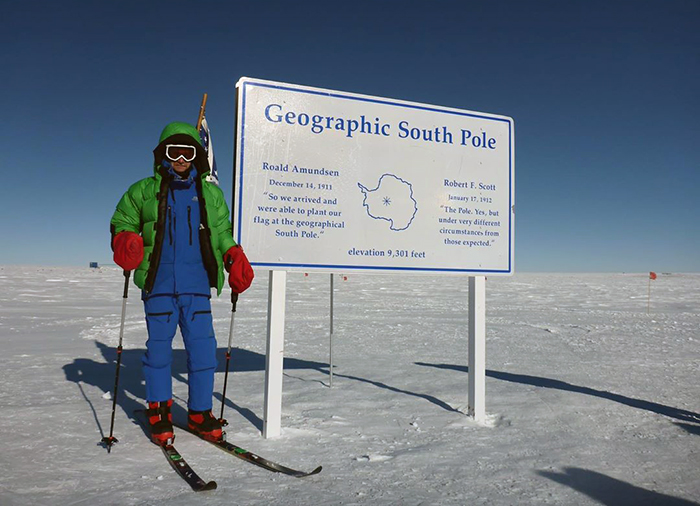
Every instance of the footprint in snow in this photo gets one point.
(373, 458)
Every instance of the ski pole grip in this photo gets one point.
(127, 274)
(234, 301)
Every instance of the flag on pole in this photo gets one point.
(652, 276)
(204, 134)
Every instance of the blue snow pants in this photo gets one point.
(192, 313)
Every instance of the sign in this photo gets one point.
(329, 180)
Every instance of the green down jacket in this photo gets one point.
(142, 210)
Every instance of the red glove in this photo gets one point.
(128, 250)
(240, 273)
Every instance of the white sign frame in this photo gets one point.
(278, 269)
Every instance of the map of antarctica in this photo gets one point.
(392, 200)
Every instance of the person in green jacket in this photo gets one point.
(173, 228)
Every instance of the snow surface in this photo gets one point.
(590, 399)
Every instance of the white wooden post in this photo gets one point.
(272, 423)
(477, 348)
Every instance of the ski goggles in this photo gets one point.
(176, 151)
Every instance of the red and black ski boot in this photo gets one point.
(161, 422)
(205, 424)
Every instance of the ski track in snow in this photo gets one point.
(590, 399)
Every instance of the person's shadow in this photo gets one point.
(610, 491)
(132, 391)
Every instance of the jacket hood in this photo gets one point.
(180, 133)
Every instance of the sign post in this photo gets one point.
(477, 348)
(330, 341)
(334, 181)
(274, 362)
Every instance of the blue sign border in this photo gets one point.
(395, 104)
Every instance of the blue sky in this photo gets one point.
(604, 95)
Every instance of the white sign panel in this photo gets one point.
(331, 181)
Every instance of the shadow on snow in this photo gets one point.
(610, 491)
(132, 390)
(678, 414)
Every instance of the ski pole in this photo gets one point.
(234, 300)
(110, 440)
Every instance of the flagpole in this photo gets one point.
(649, 296)
(201, 111)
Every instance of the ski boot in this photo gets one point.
(205, 425)
(161, 422)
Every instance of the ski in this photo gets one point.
(257, 460)
(178, 462)
(182, 468)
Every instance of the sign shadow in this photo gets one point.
(524, 379)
